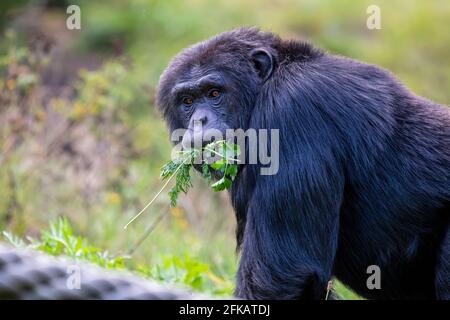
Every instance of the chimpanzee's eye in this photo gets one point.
(214, 93)
(187, 101)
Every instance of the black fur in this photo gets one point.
(364, 174)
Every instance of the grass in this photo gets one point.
(181, 270)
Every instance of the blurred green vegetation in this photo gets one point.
(184, 270)
(80, 137)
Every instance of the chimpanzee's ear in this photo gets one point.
(264, 62)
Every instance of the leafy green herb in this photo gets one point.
(224, 164)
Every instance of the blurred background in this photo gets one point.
(81, 143)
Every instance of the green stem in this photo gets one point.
(157, 195)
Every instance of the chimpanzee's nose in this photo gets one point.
(198, 122)
(202, 118)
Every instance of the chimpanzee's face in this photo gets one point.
(208, 89)
(206, 101)
(202, 100)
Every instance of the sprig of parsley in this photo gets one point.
(224, 162)
(219, 157)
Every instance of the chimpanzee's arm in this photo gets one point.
(291, 233)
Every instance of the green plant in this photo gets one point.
(219, 156)
(59, 239)
(226, 166)
(188, 271)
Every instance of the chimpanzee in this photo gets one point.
(364, 167)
